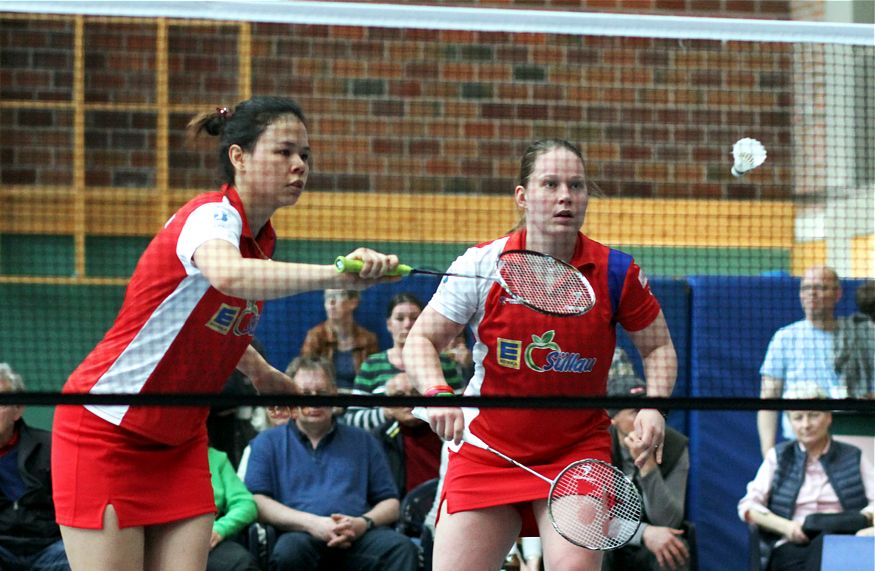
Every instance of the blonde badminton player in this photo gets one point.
(132, 483)
(523, 351)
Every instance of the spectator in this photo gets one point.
(326, 487)
(235, 509)
(460, 352)
(403, 310)
(340, 339)
(800, 357)
(808, 475)
(412, 447)
(29, 536)
(855, 345)
(658, 543)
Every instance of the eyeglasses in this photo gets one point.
(816, 288)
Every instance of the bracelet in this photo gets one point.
(440, 391)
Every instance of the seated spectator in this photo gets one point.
(658, 543)
(340, 339)
(29, 536)
(812, 474)
(459, 352)
(403, 310)
(235, 509)
(412, 447)
(855, 345)
(326, 487)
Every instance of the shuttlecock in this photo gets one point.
(748, 155)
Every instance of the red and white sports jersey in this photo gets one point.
(175, 333)
(521, 352)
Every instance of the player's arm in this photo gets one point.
(431, 333)
(660, 371)
(232, 274)
(658, 357)
(767, 420)
(265, 378)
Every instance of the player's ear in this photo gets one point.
(519, 196)
(237, 156)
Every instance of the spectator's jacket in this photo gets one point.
(28, 525)
(673, 446)
(841, 464)
(321, 342)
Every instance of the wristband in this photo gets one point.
(440, 391)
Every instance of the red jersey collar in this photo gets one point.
(583, 250)
(267, 234)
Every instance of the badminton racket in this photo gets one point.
(538, 281)
(591, 503)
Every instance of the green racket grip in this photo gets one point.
(350, 265)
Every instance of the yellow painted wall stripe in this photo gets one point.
(863, 256)
(421, 217)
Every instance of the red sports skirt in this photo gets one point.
(477, 479)
(96, 463)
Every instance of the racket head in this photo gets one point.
(544, 283)
(594, 505)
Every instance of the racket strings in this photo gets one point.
(593, 505)
(545, 283)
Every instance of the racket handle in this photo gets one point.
(349, 265)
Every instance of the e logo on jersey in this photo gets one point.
(229, 318)
(543, 354)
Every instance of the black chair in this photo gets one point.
(759, 550)
(260, 539)
(414, 507)
(689, 529)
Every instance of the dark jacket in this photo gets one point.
(28, 525)
(842, 466)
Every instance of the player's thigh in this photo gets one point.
(180, 545)
(475, 540)
(559, 553)
(107, 548)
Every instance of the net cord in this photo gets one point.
(466, 18)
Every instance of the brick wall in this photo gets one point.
(408, 110)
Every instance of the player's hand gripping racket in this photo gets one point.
(592, 504)
(538, 281)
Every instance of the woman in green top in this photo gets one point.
(378, 368)
(235, 510)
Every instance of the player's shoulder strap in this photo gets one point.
(618, 267)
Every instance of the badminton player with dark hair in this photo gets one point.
(132, 483)
(523, 352)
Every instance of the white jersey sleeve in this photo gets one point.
(211, 221)
(462, 300)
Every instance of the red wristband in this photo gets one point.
(440, 391)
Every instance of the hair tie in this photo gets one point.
(224, 113)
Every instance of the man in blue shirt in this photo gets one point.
(800, 358)
(326, 487)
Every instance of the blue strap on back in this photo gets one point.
(618, 266)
